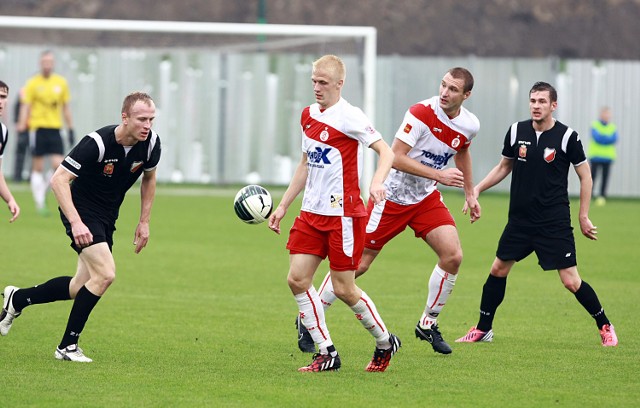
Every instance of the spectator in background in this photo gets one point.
(602, 151)
(4, 135)
(22, 142)
(45, 102)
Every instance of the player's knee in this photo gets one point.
(452, 261)
(347, 294)
(297, 284)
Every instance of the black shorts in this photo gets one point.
(554, 245)
(101, 231)
(46, 141)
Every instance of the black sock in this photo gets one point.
(82, 307)
(50, 291)
(589, 300)
(492, 295)
(332, 351)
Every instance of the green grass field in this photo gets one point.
(203, 317)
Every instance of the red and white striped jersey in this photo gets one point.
(434, 139)
(333, 140)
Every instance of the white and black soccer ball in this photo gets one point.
(253, 204)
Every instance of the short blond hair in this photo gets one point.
(134, 97)
(333, 64)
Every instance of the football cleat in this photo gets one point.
(72, 353)
(322, 362)
(305, 342)
(8, 312)
(474, 336)
(434, 337)
(382, 357)
(608, 336)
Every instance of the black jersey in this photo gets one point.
(539, 180)
(105, 170)
(4, 136)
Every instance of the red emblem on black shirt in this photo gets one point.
(108, 169)
(549, 154)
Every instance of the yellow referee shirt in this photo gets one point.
(46, 96)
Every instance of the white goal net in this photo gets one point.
(228, 96)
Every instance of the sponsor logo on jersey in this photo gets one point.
(135, 166)
(320, 155)
(336, 200)
(407, 128)
(549, 154)
(73, 163)
(436, 130)
(440, 160)
(108, 169)
(324, 135)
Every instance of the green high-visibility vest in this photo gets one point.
(599, 150)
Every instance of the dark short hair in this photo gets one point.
(465, 75)
(4, 85)
(544, 86)
(134, 97)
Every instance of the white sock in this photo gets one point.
(366, 312)
(327, 297)
(312, 316)
(38, 188)
(440, 287)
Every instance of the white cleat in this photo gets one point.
(8, 312)
(72, 353)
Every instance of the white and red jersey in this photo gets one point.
(333, 140)
(434, 139)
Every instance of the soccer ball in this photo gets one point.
(253, 204)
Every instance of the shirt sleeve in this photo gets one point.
(81, 156)
(358, 126)
(575, 150)
(507, 148)
(154, 157)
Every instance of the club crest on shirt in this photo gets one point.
(324, 135)
(108, 169)
(522, 151)
(455, 142)
(136, 165)
(336, 200)
(549, 154)
(407, 128)
(370, 130)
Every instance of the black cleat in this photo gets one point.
(305, 342)
(434, 337)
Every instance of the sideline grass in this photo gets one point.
(203, 317)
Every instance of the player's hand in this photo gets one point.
(15, 210)
(472, 206)
(82, 237)
(377, 192)
(274, 219)
(71, 137)
(141, 237)
(452, 177)
(588, 229)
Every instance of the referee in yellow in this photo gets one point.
(44, 104)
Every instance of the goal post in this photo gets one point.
(367, 35)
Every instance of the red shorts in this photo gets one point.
(388, 219)
(339, 238)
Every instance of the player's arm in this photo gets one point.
(61, 186)
(463, 163)
(295, 187)
(586, 184)
(147, 195)
(401, 161)
(495, 176)
(6, 195)
(376, 189)
(23, 117)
